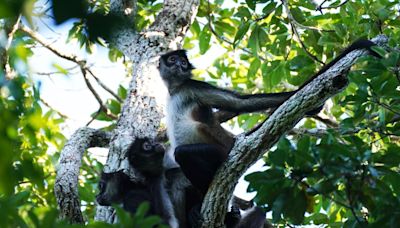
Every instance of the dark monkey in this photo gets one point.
(198, 142)
(117, 188)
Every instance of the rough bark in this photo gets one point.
(248, 149)
(66, 184)
(143, 109)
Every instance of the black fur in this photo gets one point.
(199, 144)
(146, 156)
(117, 188)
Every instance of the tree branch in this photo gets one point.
(320, 7)
(80, 62)
(66, 183)
(248, 149)
(49, 106)
(48, 45)
(104, 85)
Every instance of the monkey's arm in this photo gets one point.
(223, 116)
(233, 102)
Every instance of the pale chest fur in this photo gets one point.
(181, 127)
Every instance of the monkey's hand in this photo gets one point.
(232, 217)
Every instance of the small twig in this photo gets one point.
(375, 100)
(46, 44)
(57, 72)
(80, 62)
(320, 7)
(261, 18)
(94, 116)
(30, 181)
(223, 39)
(296, 33)
(49, 106)
(12, 32)
(396, 72)
(327, 122)
(298, 24)
(90, 87)
(96, 95)
(361, 222)
(386, 107)
(305, 184)
(104, 86)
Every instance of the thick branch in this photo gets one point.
(66, 184)
(248, 149)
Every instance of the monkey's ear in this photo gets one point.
(190, 66)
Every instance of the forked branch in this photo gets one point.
(66, 184)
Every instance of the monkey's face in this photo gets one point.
(175, 66)
(147, 156)
(150, 146)
(110, 189)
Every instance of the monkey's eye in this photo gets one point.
(101, 186)
(171, 59)
(184, 62)
(146, 146)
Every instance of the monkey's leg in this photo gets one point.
(135, 197)
(199, 162)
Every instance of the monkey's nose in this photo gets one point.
(159, 148)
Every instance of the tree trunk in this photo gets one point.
(144, 107)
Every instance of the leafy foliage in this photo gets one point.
(336, 172)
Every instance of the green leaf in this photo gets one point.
(319, 218)
(204, 39)
(269, 8)
(251, 4)
(243, 12)
(295, 207)
(254, 66)
(195, 28)
(253, 41)
(114, 106)
(379, 50)
(60, 69)
(122, 92)
(67, 9)
(243, 28)
(300, 62)
(323, 187)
